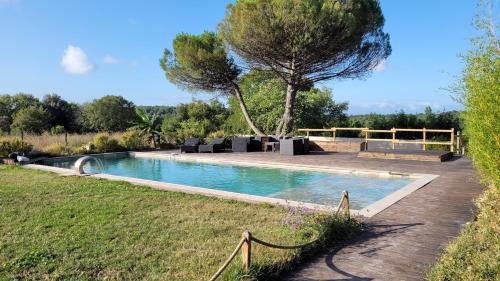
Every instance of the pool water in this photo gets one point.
(304, 186)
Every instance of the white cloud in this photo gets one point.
(75, 61)
(379, 66)
(110, 60)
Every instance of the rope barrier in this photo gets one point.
(248, 238)
(228, 261)
(284, 247)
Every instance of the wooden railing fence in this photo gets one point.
(394, 141)
(245, 244)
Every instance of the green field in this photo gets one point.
(77, 228)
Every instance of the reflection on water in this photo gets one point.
(305, 186)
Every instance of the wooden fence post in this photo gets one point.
(424, 137)
(246, 250)
(393, 138)
(366, 140)
(458, 142)
(345, 205)
(452, 144)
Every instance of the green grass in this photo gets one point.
(475, 254)
(77, 228)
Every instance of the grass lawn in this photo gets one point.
(77, 228)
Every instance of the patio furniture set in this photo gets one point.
(283, 145)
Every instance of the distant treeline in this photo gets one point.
(24, 112)
(428, 119)
(316, 109)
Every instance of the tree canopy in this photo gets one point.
(306, 41)
(201, 62)
(32, 119)
(266, 95)
(195, 119)
(10, 105)
(63, 113)
(109, 114)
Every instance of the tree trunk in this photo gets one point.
(279, 127)
(291, 93)
(243, 107)
(154, 140)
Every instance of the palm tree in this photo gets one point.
(148, 124)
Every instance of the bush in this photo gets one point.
(482, 100)
(57, 130)
(81, 150)
(474, 255)
(216, 135)
(9, 146)
(103, 143)
(57, 149)
(133, 140)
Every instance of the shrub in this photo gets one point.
(132, 140)
(15, 145)
(57, 130)
(474, 255)
(216, 135)
(57, 149)
(219, 134)
(85, 149)
(482, 100)
(104, 143)
(81, 150)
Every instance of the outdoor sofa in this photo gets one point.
(215, 145)
(190, 145)
(294, 146)
(246, 144)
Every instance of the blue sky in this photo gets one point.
(83, 50)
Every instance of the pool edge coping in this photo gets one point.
(371, 210)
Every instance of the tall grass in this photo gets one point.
(40, 142)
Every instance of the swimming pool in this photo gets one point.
(309, 186)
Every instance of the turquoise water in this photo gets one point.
(304, 186)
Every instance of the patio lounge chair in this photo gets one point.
(214, 146)
(190, 145)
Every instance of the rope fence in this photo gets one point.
(245, 244)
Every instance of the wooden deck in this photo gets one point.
(418, 155)
(401, 242)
